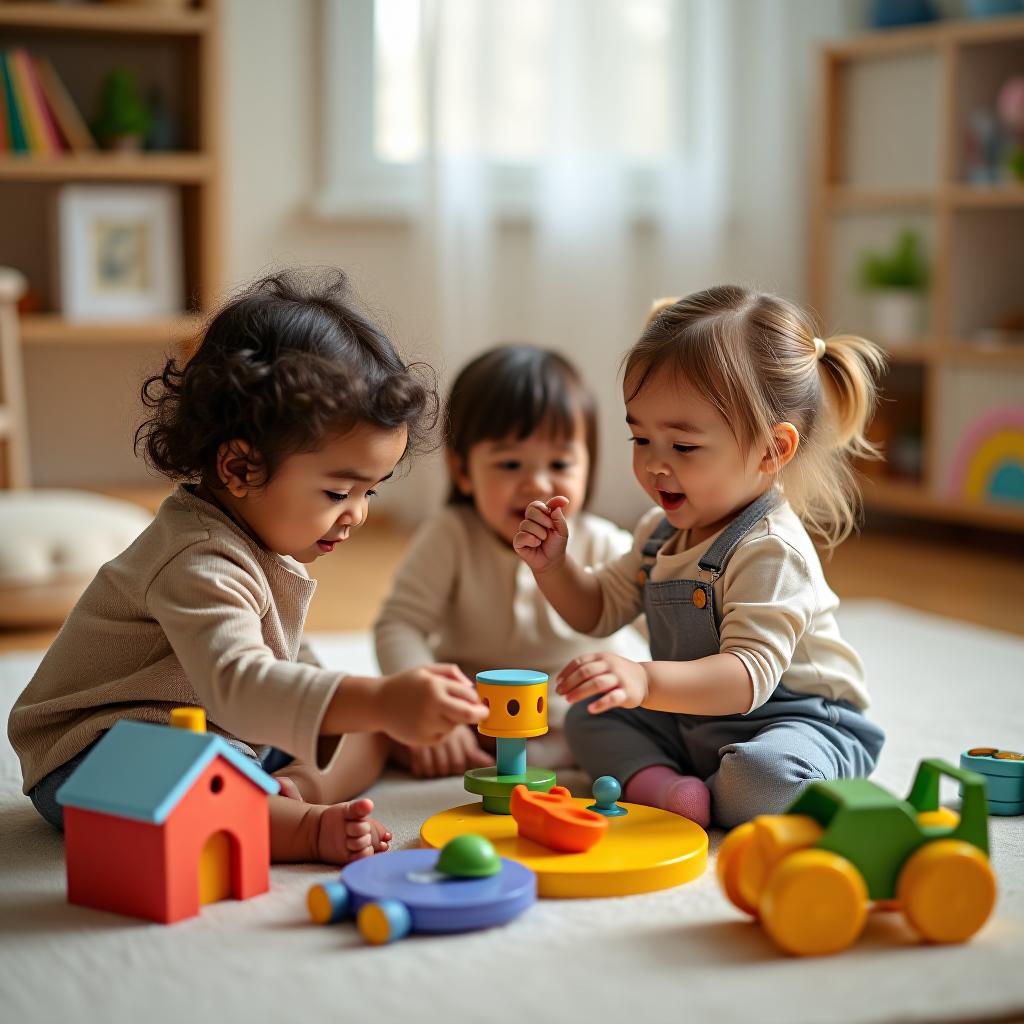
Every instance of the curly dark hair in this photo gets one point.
(283, 365)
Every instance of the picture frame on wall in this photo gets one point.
(120, 252)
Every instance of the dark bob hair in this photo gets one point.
(514, 391)
(286, 364)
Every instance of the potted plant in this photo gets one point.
(124, 119)
(896, 283)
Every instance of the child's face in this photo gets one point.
(315, 498)
(504, 476)
(686, 458)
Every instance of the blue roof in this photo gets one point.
(511, 677)
(141, 771)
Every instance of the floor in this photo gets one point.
(971, 575)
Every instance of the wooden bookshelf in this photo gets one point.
(865, 186)
(175, 51)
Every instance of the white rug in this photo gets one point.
(683, 955)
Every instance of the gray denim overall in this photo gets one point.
(754, 763)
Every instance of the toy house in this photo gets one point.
(158, 821)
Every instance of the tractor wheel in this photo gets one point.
(947, 889)
(815, 903)
(727, 867)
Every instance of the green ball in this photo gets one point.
(469, 856)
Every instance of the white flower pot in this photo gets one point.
(897, 315)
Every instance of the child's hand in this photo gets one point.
(423, 705)
(622, 682)
(542, 536)
(456, 753)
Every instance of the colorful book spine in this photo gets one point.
(69, 120)
(49, 123)
(5, 136)
(19, 143)
(29, 104)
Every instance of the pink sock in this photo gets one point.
(661, 786)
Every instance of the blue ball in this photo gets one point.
(606, 790)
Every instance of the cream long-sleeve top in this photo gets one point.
(462, 595)
(776, 611)
(196, 613)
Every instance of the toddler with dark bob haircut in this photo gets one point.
(292, 410)
(520, 426)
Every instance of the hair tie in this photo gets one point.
(819, 348)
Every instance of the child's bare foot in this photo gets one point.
(332, 833)
(347, 832)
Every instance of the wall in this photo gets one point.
(270, 81)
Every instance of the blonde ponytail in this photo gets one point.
(851, 369)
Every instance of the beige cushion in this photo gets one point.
(52, 542)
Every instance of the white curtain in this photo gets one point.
(589, 242)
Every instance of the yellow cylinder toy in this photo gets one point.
(517, 702)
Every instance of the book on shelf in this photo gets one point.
(15, 131)
(66, 113)
(41, 117)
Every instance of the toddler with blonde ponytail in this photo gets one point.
(744, 423)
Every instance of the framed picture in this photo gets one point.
(120, 252)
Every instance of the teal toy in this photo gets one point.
(1004, 777)
(607, 790)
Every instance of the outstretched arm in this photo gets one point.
(716, 685)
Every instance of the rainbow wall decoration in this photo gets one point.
(989, 461)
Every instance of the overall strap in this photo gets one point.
(716, 556)
(652, 546)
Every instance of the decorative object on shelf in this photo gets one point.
(983, 144)
(120, 252)
(896, 283)
(896, 13)
(124, 118)
(989, 462)
(993, 8)
(1010, 104)
(163, 133)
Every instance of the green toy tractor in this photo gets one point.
(810, 874)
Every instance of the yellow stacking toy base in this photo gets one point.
(642, 851)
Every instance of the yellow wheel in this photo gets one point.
(815, 903)
(727, 867)
(947, 890)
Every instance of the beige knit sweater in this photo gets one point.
(195, 612)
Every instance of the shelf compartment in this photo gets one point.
(890, 107)
(984, 274)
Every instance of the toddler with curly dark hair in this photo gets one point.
(292, 410)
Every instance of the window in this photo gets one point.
(493, 80)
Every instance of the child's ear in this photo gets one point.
(236, 468)
(457, 471)
(782, 446)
